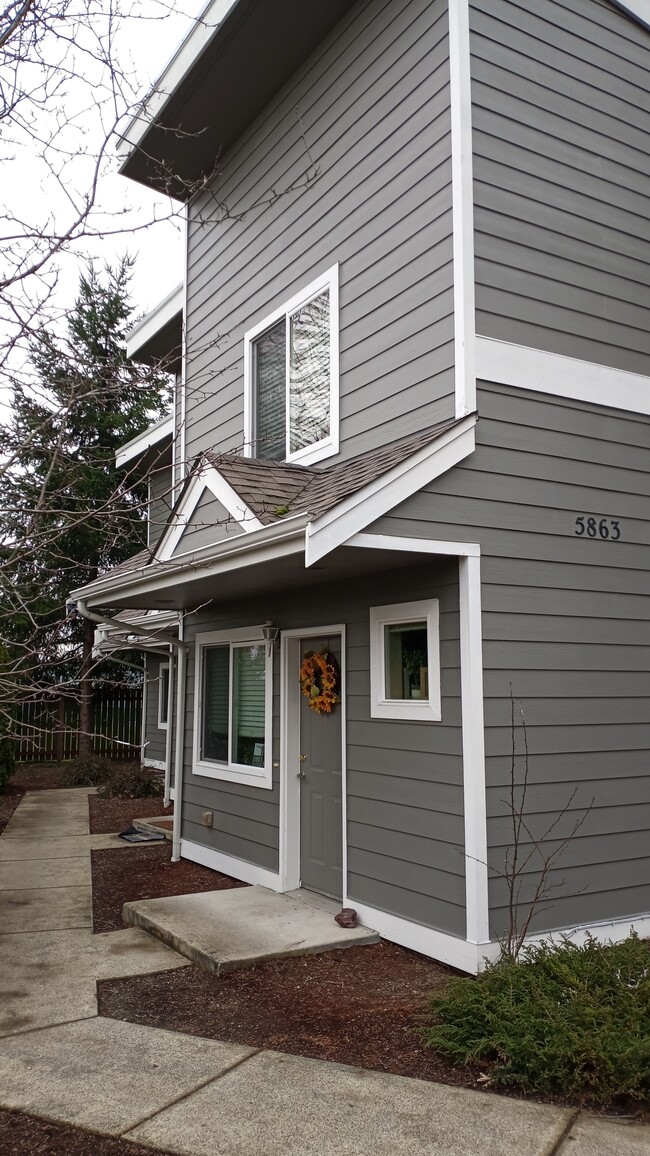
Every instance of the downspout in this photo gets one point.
(168, 739)
(181, 678)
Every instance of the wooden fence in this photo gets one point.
(48, 728)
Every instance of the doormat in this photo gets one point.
(134, 835)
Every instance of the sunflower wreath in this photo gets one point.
(319, 678)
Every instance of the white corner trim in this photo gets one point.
(229, 865)
(639, 10)
(358, 511)
(157, 764)
(152, 436)
(460, 97)
(438, 944)
(542, 372)
(473, 737)
(212, 480)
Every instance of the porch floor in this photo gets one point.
(223, 930)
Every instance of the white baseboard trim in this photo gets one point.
(156, 764)
(437, 944)
(611, 930)
(229, 865)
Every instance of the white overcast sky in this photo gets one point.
(144, 45)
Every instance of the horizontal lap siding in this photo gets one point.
(209, 523)
(566, 623)
(405, 799)
(371, 111)
(160, 499)
(154, 736)
(561, 118)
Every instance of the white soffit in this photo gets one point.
(182, 62)
(145, 441)
(157, 319)
(637, 9)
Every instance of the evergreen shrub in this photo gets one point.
(568, 1020)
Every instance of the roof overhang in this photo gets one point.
(238, 54)
(158, 338)
(153, 438)
(639, 10)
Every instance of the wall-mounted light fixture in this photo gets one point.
(270, 634)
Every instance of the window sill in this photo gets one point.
(410, 710)
(312, 454)
(246, 776)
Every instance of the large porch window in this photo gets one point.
(233, 707)
(405, 661)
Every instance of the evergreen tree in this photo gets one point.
(66, 513)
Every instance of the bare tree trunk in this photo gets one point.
(86, 692)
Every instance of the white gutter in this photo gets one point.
(181, 678)
(206, 562)
(168, 737)
(80, 606)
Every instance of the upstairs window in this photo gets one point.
(291, 370)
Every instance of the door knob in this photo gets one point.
(303, 758)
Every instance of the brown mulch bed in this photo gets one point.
(361, 1006)
(9, 800)
(144, 872)
(23, 1135)
(108, 815)
(39, 776)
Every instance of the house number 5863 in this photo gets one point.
(597, 527)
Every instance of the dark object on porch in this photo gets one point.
(347, 917)
(136, 835)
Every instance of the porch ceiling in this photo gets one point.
(287, 573)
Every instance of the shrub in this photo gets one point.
(7, 760)
(573, 1020)
(132, 782)
(86, 772)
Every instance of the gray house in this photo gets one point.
(409, 458)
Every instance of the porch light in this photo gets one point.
(270, 634)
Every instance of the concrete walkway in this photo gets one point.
(198, 1097)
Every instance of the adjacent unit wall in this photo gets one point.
(349, 164)
(154, 737)
(160, 502)
(405, 789)
(561, 120)
(566, 624)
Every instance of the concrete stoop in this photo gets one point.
(224, 930)
(160, 825)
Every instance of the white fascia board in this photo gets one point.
(355, 513)
(154, 321)
(639, 10)
(277, 541)
(208, 479)
(145, 441)
(542, 372)
(181, 63)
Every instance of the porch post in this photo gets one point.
(471, 681)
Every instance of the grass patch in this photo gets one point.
(567, 1020)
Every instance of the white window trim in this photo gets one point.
(422, 710)
(163, 699)
(327, 446)
(233, 772)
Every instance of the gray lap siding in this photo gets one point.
(370, 112)
(154, 737)
(404, 780)
(561, 120)
(566, 623)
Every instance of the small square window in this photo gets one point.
(405, 661)
(291, 372)
(233, 708)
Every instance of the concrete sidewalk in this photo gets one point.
(200, 1097)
